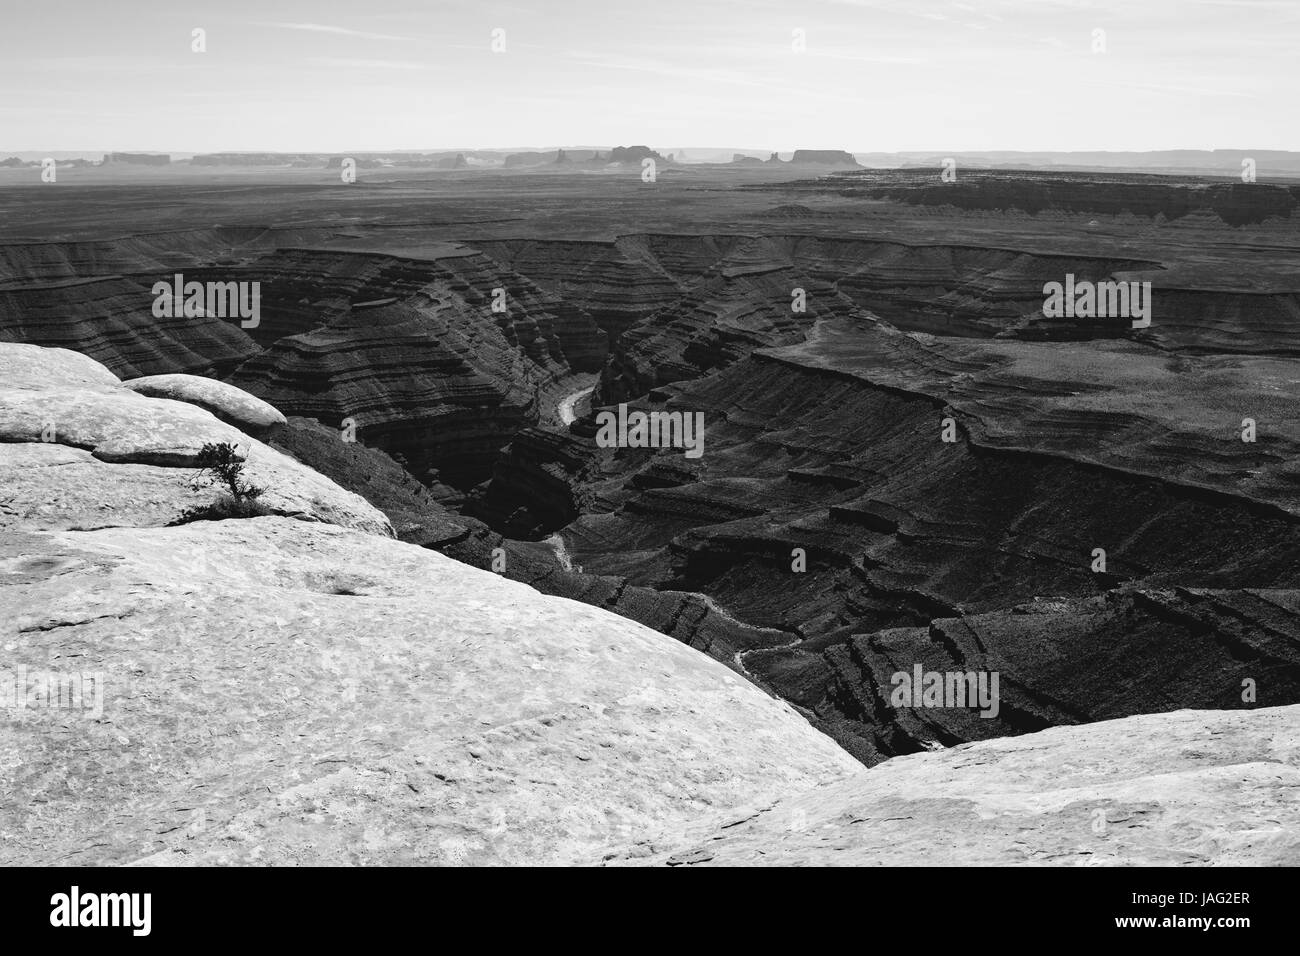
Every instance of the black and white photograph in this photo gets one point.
(689, 434)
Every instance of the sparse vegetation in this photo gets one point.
(221, 464)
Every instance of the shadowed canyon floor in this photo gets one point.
(910, 466)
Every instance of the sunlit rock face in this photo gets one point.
(1188, 788)
(79, 449)
(232, 405)
(279, 692)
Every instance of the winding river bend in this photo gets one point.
(569, 402)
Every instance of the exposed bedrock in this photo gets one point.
(1215, 321)
(232, 405)
(616, 283)
(303, 289)
(418, 517)
(857, 472)
(960, 290)
(531, 489)
(1236, 204)
(96, 297)
(1058, 661)
(700, 300)
(447, 687)
(899, 528)
(823, 157)
(439, 379)
(78, 450)
(62, 294)
(1181, 419)
(743, 300)
(1189, 788)
(136, 255)
(111, 320)
(277, 692)
(822, 435)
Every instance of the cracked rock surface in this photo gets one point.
(78, 449)
(280, 692)
(1176, 789)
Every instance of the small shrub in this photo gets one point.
(226, 465)
(222, 464)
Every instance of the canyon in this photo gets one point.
(421, 448)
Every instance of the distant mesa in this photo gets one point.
(362, 162)
(551, 157)
(300, 160)
(801, 157)
(634, 154)
(17, 162)
(823, 157)
(566, 156)
(446, 160)
(516, 160)
(1091, 194)
(137, 159)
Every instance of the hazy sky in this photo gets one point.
(329, 75)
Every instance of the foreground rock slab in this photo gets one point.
(279, 692)
(78, 449)
(232, 405)
(1182, 788)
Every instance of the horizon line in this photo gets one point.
(751, 149)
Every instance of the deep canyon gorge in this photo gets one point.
(905, 461)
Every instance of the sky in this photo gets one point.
(874, 75)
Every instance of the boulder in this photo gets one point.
(230, 404)
(40, 368)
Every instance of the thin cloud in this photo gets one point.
(1170, 88)
(326, 28)
(361, 64)
(645, 65)
(866, 58)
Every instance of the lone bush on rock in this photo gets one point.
(222, 464)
